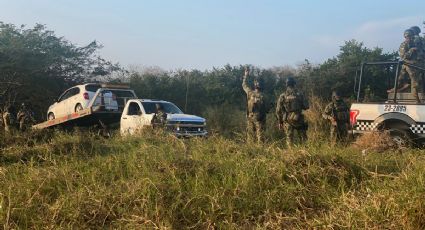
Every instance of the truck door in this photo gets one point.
(131, 118)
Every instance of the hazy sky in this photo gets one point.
(205, 33)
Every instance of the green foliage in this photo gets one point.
(36, 65)
(78, 180)
(339, 72)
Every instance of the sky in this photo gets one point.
(202, 34)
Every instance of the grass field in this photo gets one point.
(51, 180)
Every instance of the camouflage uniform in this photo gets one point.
(160, 117)
(409, 54)
(256, 112)
(8, 120)
(289, 109)
(24, 118)
(419, 42)
(339, 114)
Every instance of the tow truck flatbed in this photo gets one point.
(97, 112)
(84, 118)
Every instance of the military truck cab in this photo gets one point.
(388, 106)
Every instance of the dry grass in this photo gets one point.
(156, 181)
(375, 142)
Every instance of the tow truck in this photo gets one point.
(96, 113)
(399, 113)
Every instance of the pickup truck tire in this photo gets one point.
(50, 117)
(401, 137)
(78, 107)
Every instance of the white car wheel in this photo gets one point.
(78, 107)
(51, 116)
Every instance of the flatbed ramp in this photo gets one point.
(84, 118)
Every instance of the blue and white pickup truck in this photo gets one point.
(139, 113)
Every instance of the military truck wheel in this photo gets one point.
(51, 116)
(401, 137)
(78, 107)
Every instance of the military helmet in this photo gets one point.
(409, 33)
(416, 30)
(336, 94)
(290, 81)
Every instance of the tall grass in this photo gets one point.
(77, 180)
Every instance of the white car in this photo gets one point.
(82, 96)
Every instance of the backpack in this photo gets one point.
(293, 101)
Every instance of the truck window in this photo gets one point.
(133, 109)
(150, 107)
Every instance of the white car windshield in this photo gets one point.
(150, 107)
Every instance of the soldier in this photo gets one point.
(160, 117)
(338, 113)
(256, 111)
(409, 54)
(8, 119)
(419, 42)
(24, 117)
(289, 109)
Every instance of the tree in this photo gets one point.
(36, 65)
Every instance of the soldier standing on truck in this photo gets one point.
(410, 54)
(420, 43)
(289, 109)
(338, 113)
(256, 111)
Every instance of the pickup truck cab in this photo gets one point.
(139, 114)
(395, 110)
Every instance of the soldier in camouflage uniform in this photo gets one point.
(160, 117)
(338, 113)
(24, 117)
(411, 54)
(289, 109)
(420, 44)
(8, 119)
(256, 111)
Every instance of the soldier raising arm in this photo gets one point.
(256, 112)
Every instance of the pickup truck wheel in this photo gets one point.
(78, 107)
(51, 116)
(401, 137)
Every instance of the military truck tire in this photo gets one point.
(401, 137)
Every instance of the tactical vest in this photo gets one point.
(293, 101)
(256, 106)
(341, 111)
